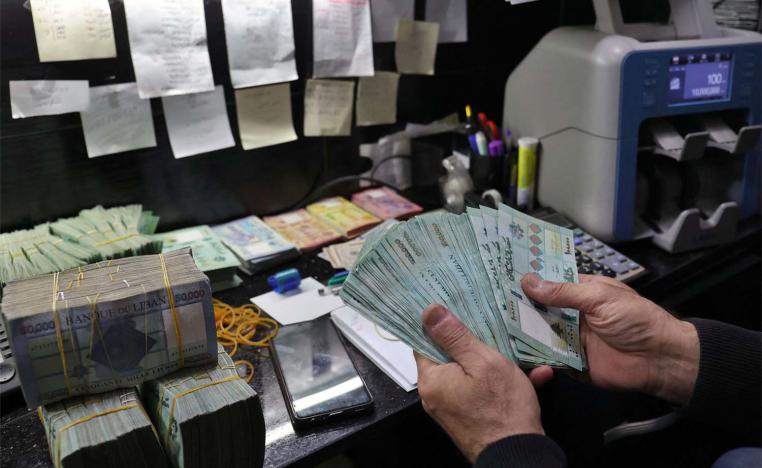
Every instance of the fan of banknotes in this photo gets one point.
(473, 264)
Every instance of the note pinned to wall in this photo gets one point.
(197, 123)
(264, 116)
(452, 16)
(168, 47)
(260, 42)
(117, 120)
(48, 97)
(328, 107)
(385, 14)
(73, 29)
(377, 99)
(416, 49)
(342, 40)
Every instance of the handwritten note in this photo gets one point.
(197, 123)
(264, 116)
(328, 107)
(73, 29)
(48, 97)
(385, 16)
(452, 16)
(260, 41)
(342, 38)
(168, 46)
(416, 49)
(117, 120)
(377, 99)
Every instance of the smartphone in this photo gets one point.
(318, 379)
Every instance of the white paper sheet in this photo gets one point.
(416, 49)
(168, 47)
(48, 97)
(342, 41)
(452, 16)
(73, 29)
(298, 305)
(260, 41)
(197, 123)
(385, 15)
(264, 115)
(117, 120)
(328, 107)
(386, 351)
(377, 99)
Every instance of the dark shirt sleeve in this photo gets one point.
(729, 384)
(523, 450)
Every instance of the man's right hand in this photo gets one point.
(631, 343)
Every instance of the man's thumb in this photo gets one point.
(449, 332)
(584, 296)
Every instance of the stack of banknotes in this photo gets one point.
(108, 325)
(257, 246)
(303, 229)
(473, 264)
(96, 234)
(207, 416)
(385, 203)
(343, 216)
(107, 430)
(209, 253)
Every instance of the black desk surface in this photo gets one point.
(670, 276)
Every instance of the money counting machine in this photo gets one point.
(646, 129)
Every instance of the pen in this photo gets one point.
(471, 127)
(481, 143)
(485, 126)
(472, 143)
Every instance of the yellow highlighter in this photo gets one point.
(527, 169)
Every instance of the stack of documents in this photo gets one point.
(385, 203)
(473, 264)
(344, 216)
(303, 229)
(105, 430)
(209, 253)
(207, 416)
(108, 325)
(257, 246)
(391, 355)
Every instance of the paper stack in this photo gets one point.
(106, 430)
(108, 325)
(209, 253)
(385, 203)
(257, 246)
(473, 264)
(345, 254)
(207, 416)
(303, 229)
(347, 218)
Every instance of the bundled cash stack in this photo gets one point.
(107, 430)
(207, 416)
(343, 216)
(473, 264)
(96, 234)
(303, 229)
(209, 253)
(108, 325)
(257, 246)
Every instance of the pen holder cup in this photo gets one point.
(487, 172)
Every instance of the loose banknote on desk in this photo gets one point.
(473, 264)
(108, 325)
(257, 246)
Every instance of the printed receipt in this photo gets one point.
(342, 38)
(73, 29)
(168, 47)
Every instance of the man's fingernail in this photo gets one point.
(533, 281)
(435, 315)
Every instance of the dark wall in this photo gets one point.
(45, 172)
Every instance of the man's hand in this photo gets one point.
(631, 343)
(479, 398)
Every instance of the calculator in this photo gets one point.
(594, 257)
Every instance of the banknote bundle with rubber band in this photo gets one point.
(473, 264)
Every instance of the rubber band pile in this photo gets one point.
(241, 326)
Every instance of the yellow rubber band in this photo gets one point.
(114, 239)
(173, 309)
(59, 335)
(188, 392)
(80, 421)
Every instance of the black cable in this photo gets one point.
(385, 160)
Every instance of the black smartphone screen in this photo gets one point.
(318, 373)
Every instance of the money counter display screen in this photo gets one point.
(699, 78)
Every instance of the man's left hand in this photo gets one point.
(479, 398)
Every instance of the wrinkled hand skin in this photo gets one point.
(480, 397)
(631, 343)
